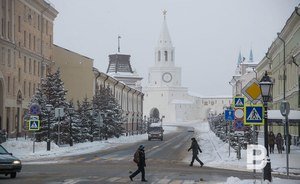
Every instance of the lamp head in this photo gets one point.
(266, 86)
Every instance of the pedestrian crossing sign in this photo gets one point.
(34, 125)
(239, 101)
(254, 115)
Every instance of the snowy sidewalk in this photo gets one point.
(216, 153)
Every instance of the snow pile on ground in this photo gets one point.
(236, 180)
(23, 149)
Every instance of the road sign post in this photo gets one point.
(285, 110)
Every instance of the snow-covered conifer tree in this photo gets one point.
(105, 102)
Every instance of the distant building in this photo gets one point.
(76, 73)
(26, 54)
(120, 68)
(129, 98)
(245, 72)
(287, 87)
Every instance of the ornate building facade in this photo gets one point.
(26, 53)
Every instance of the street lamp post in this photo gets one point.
(266, 86)
(49, 108)
(71, 112)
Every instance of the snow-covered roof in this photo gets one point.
(123, 74)
(276, 115)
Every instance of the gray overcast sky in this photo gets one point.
(207, 34)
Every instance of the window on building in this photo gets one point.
(166, 55)
(3, 56)
(29, 38)
(30, 65)
(8, 84)
(19, 75)
(39, 66)
(14, 59)
(34, 67)
(24, 38)
(34, 42)
(9, 29)
(172, 55)
(33, 90)
(34, 19)
(24, 88)
(3, 27)
(46, 27)
(19, 23)
(39, 22)
(25, 64)
(14, 86)
(8, 58)
(29, 89)
(50, 39)
(158, 55)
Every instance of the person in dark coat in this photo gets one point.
(279, 142)
(288, 147)
(195, 147)
(141, 164)
(271, 141)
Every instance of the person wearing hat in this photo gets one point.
(195, 147)
(139, 158)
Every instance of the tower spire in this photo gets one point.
(119, 37)
(239, 59)
(165, 14)
(251, 56)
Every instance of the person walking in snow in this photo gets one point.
(139, 159)
(279, 142)
(271, 141)
(195, 147)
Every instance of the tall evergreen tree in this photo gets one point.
(87, 119)
(105, 102)
(74, 128)
(51, 92)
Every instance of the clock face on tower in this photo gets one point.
(167, 77)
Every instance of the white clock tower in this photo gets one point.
(164, 73)
(164, 89)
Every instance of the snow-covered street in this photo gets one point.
(215, 151)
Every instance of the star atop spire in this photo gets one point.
(165, 14)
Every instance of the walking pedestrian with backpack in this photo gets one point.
(139, 159)
(195, 147)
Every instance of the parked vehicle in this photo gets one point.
(8, 163)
